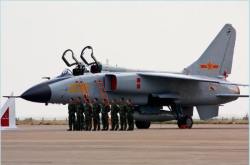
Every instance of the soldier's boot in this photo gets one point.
(70, 125)
(77, 126)
(74, 126)
(116, 127)
(129, 125)
(83, 125)
(90, 125)
(107, 123)
(121, 126)
(130, 128)
(86, 126)
(132, 124)
(103, 125)
(94, 129)
(112, 125)
(103, 129)
(116, 124)
(98, 126)
(70, 128)
(125, 126)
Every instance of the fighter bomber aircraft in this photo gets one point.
(202, 85)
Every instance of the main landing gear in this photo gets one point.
(183, 121)
(142, 124)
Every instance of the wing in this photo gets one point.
(177, 76)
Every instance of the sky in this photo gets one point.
(154, 35)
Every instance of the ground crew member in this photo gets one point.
(88, 115)
(105, 116)
(96, 114)
(123, 113)
(114, 115)
(71, 117)
(130, 117)
(80, 116)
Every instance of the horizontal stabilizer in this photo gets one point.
(207, 111)
(231, 95)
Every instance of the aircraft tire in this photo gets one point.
(142, 124)
(185, 122)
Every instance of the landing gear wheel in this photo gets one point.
(185, 122)
(142, 124)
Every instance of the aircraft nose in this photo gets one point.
(40, 93)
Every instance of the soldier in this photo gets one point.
(80, 116)
(114, 115)
(96, 114)
(130, 117)
(71, 111)
(123, 113)
(105, 116)
(88, 109)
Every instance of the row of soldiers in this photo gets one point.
(85, 115)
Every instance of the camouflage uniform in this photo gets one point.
(96, 116)
(88, 109)
(114, 116)
(123, 114)
(105, 117)
(80, 117)
(130, 117)
(71, 111)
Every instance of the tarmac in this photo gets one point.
(160, 145)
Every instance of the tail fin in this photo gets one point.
(8, 115)
(217, 59)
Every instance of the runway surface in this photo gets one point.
(160, 145)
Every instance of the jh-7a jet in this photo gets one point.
(202, 85)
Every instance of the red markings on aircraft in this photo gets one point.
(225, 74)
(209, 66)
(5, 119)
(138, 83)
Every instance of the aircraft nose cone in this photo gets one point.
(40, 93)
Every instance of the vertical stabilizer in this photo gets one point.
(8, 114)
(217, 59)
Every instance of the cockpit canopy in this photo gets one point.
(65, 73)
